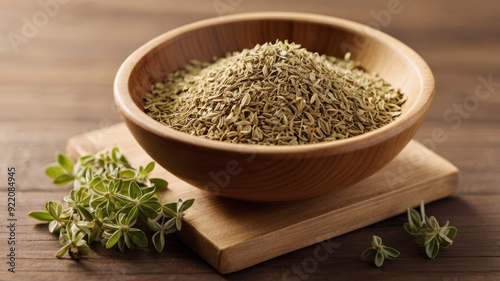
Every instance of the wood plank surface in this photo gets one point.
(59, 84)
(232, 235)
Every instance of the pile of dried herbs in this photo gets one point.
(274, 94)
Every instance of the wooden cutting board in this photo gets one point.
(232, 235)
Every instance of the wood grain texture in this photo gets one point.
(59, 85)
(260, 173)
(232, 235)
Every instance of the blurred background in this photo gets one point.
(58, 60)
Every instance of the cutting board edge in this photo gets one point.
(227, 255)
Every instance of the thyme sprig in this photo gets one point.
(107, 199)
(379, 252)
(427, 231)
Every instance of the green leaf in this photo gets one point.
(64, 238)
(434, 223)
(96, 201)
(65, 162)
(428, 223)
(368, 253)
(115, 154)
(41, 216)
(85, 226)
(186, 205)
(133, 214)
(150, 195)
(54, 226)
(54, 171)
(376, 241)
(84, 160)
(63, 251)
(93, 234)
(127, 174)
(108, 225)
(450, 233)
(428, 239)
(408, 228)
(84, 249)
(170, 223)
(114, 239)
(63, 179)
(149, 168)
(391, 252)
(414, 219)
(153, 225)
(149, 209)
(54, 209)
(139, 238)
(131, 217)
(97, 185)
(379, 259)
(121, 245)
(127, 238)
(124, 160)
(86, 213)
(445, 242)
(170, 209)
(432, 248)
(159, 241)
(124, 199)
(160, 184)
(135, 191)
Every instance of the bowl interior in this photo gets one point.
(376, 51)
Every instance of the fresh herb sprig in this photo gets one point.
(427, 231)
(107, 199)
(379, 252)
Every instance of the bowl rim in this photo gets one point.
(130, 111)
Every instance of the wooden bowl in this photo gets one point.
(273, 173)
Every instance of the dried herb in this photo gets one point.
(427, 231)
(108, 197)
(274, 94)
(379, 252)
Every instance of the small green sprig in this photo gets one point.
(72, 241)
(379, 252)
(107, 199)
(168, 221)
(427, 231)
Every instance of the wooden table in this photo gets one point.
(56, 82)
